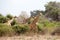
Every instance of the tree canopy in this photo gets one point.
(2, 19)
(9, 16)
(53, 10)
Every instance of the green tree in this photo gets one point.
(34, 13)
(9, 16)
(2, 19)
(13, 22)
(53, 10)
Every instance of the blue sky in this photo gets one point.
(15, 7)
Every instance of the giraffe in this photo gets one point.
(33, 24)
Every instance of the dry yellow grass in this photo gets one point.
(33, 37)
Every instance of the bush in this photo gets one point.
(46, 26)
(5, 30)
(13, 22)
(3, 19)
(9, 16)
(20, 28)
(56, 31)
(40, 26)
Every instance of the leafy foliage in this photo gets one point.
(34, 13)
(13, 22)
(53, 10)
(9, 16)
(3, 19)
(20, 28)
(5, 30)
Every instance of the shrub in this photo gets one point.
(9, 16)
(20, 28)
(40, 26)
(5, 30)
(3, 19)
(56, 31)
(13, 22)
(46, 26)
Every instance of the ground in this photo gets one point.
(32, 37)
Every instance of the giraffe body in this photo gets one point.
(33, 24)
